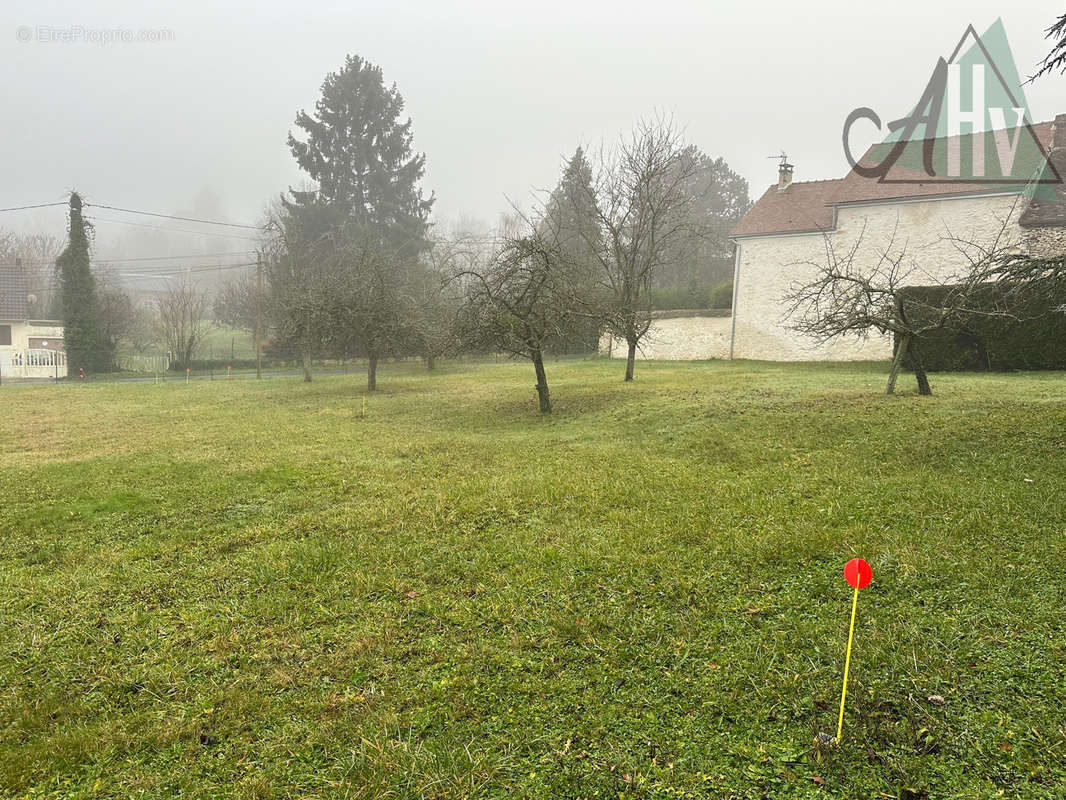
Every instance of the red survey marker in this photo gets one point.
(858, 573)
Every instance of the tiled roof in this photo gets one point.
(13, 293)
(799, 208)
(1050, 210)
(808, 207)
(858, 189)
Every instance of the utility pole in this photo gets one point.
(258, 314)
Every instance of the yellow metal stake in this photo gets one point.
(847, 661)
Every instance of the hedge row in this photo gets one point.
(718, 296)
(1037, 341)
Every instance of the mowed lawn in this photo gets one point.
(247, 589)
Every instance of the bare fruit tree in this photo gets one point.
(182, 309)
(884, 289)
(641, 199)
(237, 303)
(517, 301)
(436, 300)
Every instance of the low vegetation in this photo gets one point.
(257, 589)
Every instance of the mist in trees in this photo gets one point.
(35, 254)
(639, 212)
(182, 319)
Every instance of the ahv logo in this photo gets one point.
(971, 125)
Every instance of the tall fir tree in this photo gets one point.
(571, 211)
(77, 292)
(571, 223)
(359, 152)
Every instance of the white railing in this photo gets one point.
(33, 363)
(150, 364)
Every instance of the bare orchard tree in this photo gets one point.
(853, 294)
(237, 303)
(118, 316)
(300, 303)
(182, 309)
(142, 335)
(436, 300)
(517, 301)
(372, 291)
(640, 197)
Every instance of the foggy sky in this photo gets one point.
(499, 93)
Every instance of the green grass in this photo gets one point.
(244, 589)
(222, 343)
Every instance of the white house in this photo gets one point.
(28, 348)
(790, 225)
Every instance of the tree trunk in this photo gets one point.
(542, 383)
(631, 358)
(372, 373)
(897, 362)
(431, 362)
(305, 360)
(919, 371)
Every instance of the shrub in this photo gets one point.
(678, 297)
(1037, 341)
(722, 295)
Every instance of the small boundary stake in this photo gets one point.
(859, 574)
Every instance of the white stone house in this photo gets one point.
(790, 225)
(28, 348)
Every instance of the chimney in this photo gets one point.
(784, 175)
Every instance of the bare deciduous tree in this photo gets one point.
(117, 316)
(436, 301)
(301, 301)
(371, 280)
(517, 301)
(181, 319)
(640, 196)
(236, 303)
(871, 288)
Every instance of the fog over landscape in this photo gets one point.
(498, 95)
(464, 400)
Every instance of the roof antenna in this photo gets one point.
(784, 172)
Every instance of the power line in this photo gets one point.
(103, 262)
(39, 205)
(180, 270)
(171, 216)
(171, 258)
(173, 230)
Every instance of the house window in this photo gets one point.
(5, 334)
(41, 343)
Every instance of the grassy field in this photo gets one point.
(246, 589)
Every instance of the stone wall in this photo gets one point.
(681, 336)
(1046, 242)
(769, 265)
